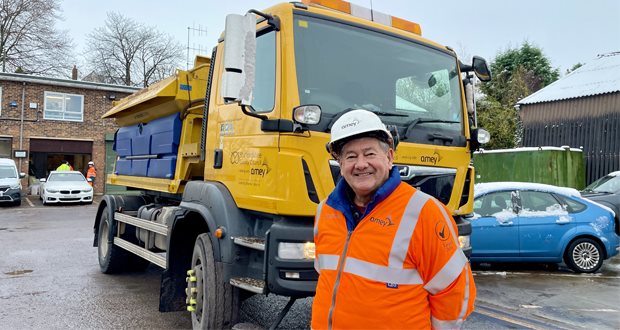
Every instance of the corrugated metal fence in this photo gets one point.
(590, 123)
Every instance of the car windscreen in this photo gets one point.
(607, 184)
(63, 177)
(7, 172)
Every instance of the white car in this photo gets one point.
(66, 187)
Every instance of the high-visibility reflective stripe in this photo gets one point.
(361, 12)
(450, 271)
(382, 273)
(405, 230)
(441, 324)
(381, 18)
(317, 217)
(448, 221)
(328, 261)
(466, 296)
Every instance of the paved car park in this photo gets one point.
(50, 279)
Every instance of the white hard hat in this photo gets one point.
(91, 163)
(357, 122)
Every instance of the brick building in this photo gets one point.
(45, 120)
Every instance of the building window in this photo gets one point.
(0, 101)
(5, 147)
(61, 106)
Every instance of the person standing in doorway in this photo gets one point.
(91, 174)
(387, 254)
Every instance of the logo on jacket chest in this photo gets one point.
(386, 222)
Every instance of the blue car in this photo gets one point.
(531, 222)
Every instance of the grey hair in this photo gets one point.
(384, 146)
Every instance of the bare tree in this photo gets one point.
(29, 42)
(129, 53)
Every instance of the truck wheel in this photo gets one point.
(214, 303)
(112, 258)
(584, 256)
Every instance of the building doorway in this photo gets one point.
(47, 154)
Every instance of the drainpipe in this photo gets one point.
(21, 127)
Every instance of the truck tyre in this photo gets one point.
(584, 255)
(112, 258)
(216, 301)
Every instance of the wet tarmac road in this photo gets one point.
(50, 279)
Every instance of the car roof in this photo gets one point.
(7, 161)
(52, 172)
(487, 187)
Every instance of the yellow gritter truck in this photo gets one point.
(230, 158)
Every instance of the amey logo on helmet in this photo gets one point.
(351, 124)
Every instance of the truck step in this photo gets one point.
(249, 284)
(256, 243)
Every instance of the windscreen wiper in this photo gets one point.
(423, 120)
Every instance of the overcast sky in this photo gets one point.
(568, 31)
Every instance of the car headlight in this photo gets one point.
(51, 190)
(16, 186)
(87, 189)
(464, 242)
(296, 250)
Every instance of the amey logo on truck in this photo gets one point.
(433, 159)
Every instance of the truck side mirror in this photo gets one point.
(237, 82)
(481, 68)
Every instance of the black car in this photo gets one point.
(606, 191)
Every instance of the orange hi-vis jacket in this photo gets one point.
(401, 267)
(91, 172)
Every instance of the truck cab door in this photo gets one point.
(240, 154)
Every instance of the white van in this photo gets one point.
(10, 183)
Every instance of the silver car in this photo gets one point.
(66, 187)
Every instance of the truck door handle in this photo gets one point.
(562, 221)
(505, 223)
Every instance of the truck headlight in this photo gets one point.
(296, 250)
(464, 242)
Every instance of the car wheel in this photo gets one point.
(214, 303)
(584, 255)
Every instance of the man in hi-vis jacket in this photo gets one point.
(387, 254)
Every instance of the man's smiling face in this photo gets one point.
(365, 164)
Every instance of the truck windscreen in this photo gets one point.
(412, 86)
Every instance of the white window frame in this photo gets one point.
(63, 111)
